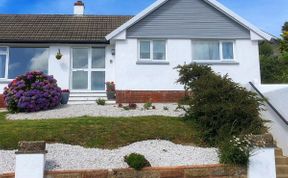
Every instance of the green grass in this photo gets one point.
(96, 132)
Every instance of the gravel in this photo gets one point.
(68, 111)
(157, 152)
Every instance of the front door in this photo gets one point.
(88, 69)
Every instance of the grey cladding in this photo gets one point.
(188, 19)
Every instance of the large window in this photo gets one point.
(88, 69)
(213, 50)
(17, 61)
(152, 50)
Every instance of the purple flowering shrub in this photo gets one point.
(31, 92)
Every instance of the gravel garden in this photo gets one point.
(214, 125)
(95, 110)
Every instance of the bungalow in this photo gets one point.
(138, 53)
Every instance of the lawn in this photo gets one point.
(96, 132)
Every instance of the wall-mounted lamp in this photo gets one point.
(113, 52)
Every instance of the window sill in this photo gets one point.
(217, 62)
(152, 62)
(5, 81)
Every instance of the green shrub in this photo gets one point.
(274, 69)
(235, 151)
(218, 106)
(136, 161)
(165, 108)
(101, 102)
(147, 105)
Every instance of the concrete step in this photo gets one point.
(281, 160)
(75, 102)
(84, 94)
(282, 169)
(87, 98)
(278, 152)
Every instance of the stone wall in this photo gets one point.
(208, 171)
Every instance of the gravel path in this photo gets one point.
(157, 152)
(69, 111)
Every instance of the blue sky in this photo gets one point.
(269, 15)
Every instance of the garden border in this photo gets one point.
(212, 171)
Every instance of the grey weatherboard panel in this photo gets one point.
(188, 19)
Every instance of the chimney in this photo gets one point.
(79, 8)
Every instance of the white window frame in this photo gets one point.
(221, 60)
(89, 69)
(151, 50)
(7, 62)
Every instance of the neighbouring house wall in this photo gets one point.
(132, 76)
(188, 19)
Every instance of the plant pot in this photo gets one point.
(65, 97)
(111, 95)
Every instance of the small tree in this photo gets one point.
(218, 106)
(284, 40)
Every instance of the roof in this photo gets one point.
(58, 28)
(213, 3)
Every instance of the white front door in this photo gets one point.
(88, 69)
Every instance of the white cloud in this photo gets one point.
(39, 62)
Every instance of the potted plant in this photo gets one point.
(65, 96)
(59, 55)
(110, 91)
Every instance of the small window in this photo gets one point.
(152, 50)
(159, 50)
(227, 50)
(3, 61)
(145, 49)
(213, 50)
(3, 58)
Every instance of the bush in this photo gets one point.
(147, 105)
(31, 92)
(101, 102)
(236, 151)
(274, 69)
(218, 106)
(136, 161)
(132, 106)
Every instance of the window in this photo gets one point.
(213, 50)
(152, 50)
(22, 60)
(3, 61)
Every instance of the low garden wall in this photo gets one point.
(207, 171)
(127, 96)
(2, 103)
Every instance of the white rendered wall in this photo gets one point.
(30, 166)
(60, 69)
(132, 76)
(262, 164)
